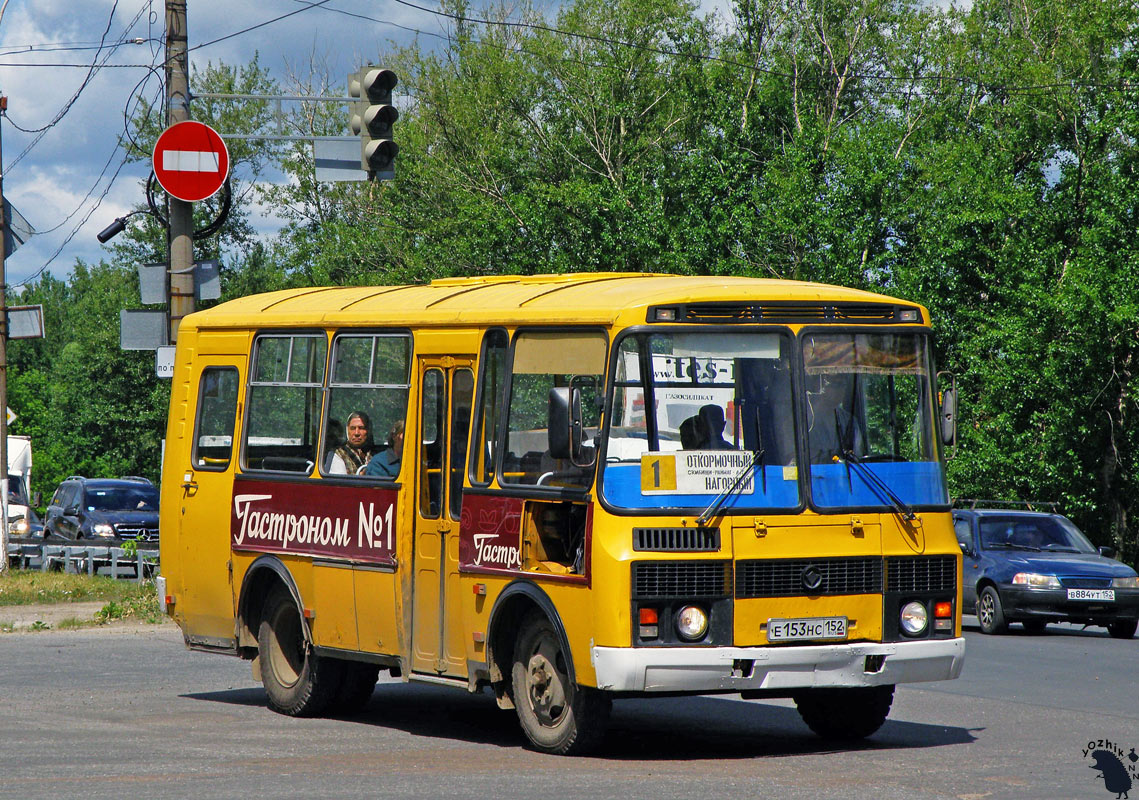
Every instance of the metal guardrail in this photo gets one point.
(116, 562)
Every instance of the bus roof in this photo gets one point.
(592, 298)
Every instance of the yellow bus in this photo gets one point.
(612, 485)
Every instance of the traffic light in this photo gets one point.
(372, 119)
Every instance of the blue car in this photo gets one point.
(1034, 567)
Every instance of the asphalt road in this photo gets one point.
(114, 714)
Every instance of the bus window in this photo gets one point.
(542, 361)
(431, 444)
(217, 408)
(462, 392)
(490, 398)
(284, 402)
(868, 402)
(370, 376)
(722, 402)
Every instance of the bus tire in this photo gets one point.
(357, 683)
(298, 682)
(845, 714)
(557, 716)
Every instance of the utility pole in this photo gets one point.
(3, 368)
(180, 235)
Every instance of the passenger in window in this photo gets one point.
(691, 433)
(353, 455)
(712, 417)
(385, 464)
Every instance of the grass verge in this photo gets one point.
(123, 599)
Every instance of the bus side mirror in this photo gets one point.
(38, 498)
(947, 416)
(565, 423)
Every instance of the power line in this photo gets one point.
(152, 70)
(91, 72)
(15, 50)
(258, 25)
(91, 210)
(366, 18)
(81, 222)
(76, 66)
(961, 80)
(126, 130)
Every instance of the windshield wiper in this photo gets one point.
(714, 507)
(877, 484)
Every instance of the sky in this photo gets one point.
(70, 180)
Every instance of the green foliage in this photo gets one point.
(90, 408)
(980, 161)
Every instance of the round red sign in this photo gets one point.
(191, 161)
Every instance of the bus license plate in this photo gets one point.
(790, 630)
(1092, 594)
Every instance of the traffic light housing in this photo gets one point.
(372, 119)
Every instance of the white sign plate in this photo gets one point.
(695, 472)
(164, 361)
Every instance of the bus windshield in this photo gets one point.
(696, 415)
(869, 413)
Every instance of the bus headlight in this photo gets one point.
(691, 623)
(914, 618)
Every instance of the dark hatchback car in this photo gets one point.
(103, 510)
(1035, 567)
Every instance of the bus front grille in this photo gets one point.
(667, 579)
(677, 540)
(798, 577)
(922, 574)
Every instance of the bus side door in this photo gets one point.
(207, 469)
(446, 390)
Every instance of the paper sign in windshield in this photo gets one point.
(695, 472)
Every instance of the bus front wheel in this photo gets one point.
(845, 714)
(298, 682)
(557, 716)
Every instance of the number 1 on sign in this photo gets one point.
(658, 473)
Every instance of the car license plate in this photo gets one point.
(1092, 594)
(790, 630)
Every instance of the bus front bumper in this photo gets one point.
(739, 669)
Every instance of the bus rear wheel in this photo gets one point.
(845, 714)
(298, 682)
(557, 716)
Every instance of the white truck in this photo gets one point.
(20, 517)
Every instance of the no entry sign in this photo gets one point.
(191, 161)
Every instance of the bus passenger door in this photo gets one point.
(207, 602)
(446, 388)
